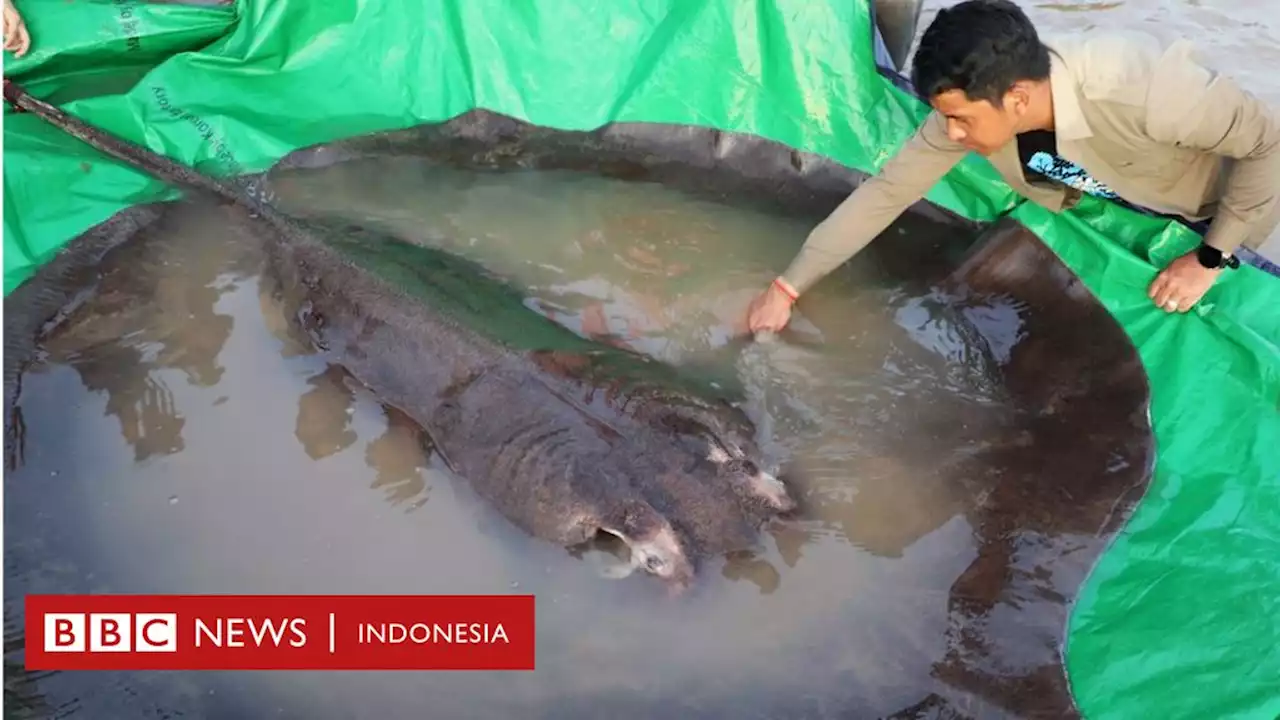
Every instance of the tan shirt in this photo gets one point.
(1149, 121)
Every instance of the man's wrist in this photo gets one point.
(787, 289)
(1226, 233)
(1212, 258)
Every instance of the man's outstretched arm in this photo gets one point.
(868, 210)
(875, 204)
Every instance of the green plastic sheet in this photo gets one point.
(1178, 620)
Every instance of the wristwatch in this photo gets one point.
(1214, 259)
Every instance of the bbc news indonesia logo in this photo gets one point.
(280, 632)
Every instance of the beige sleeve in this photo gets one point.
(876, 203)
(1193, 107)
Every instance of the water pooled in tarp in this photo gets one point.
(636, 265)
(180, 378)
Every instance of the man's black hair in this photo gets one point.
(981, 47)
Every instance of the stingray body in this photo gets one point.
(567, 438)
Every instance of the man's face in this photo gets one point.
(977, 124)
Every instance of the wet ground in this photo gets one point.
(178, 440)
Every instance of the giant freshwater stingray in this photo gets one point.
(1049, 489)
(566, 437)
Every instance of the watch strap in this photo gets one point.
(1214, 259)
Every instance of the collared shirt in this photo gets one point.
(1149, 123)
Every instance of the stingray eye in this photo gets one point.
(694, 437)
(717, 454)
(682, 425)
(654, 563)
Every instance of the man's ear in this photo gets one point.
(1017, 100)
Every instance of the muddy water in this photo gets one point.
(180, 439)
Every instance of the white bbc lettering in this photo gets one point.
(64, 632)
(110, 632)
(156, 632)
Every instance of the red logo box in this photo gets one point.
(280, 632)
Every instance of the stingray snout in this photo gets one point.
(753, 480)
(654, 545)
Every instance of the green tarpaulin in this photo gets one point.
(1177, 621)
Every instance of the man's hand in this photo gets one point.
(16, 38)
(771, 310)
(1181, 285)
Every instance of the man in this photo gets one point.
(1114, 115)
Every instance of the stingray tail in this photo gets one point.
(130, 153)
